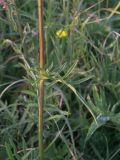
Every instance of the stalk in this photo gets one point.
(41, 89)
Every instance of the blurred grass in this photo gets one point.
(82, 89)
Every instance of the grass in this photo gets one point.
(82, 80)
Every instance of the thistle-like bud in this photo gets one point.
(3, 4)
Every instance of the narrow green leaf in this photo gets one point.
(9, 152)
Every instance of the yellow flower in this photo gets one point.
(62, 33)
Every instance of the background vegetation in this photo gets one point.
(82, 80)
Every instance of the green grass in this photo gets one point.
(82, 80)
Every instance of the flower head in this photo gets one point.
(3, 4)
(62, 33)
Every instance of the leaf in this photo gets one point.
(26, 155)
(9, 152)
(82, 80)
(116, 119)
(14, 149)
(101, 120)
(70, 70)
(94, 108)
(29, 93)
